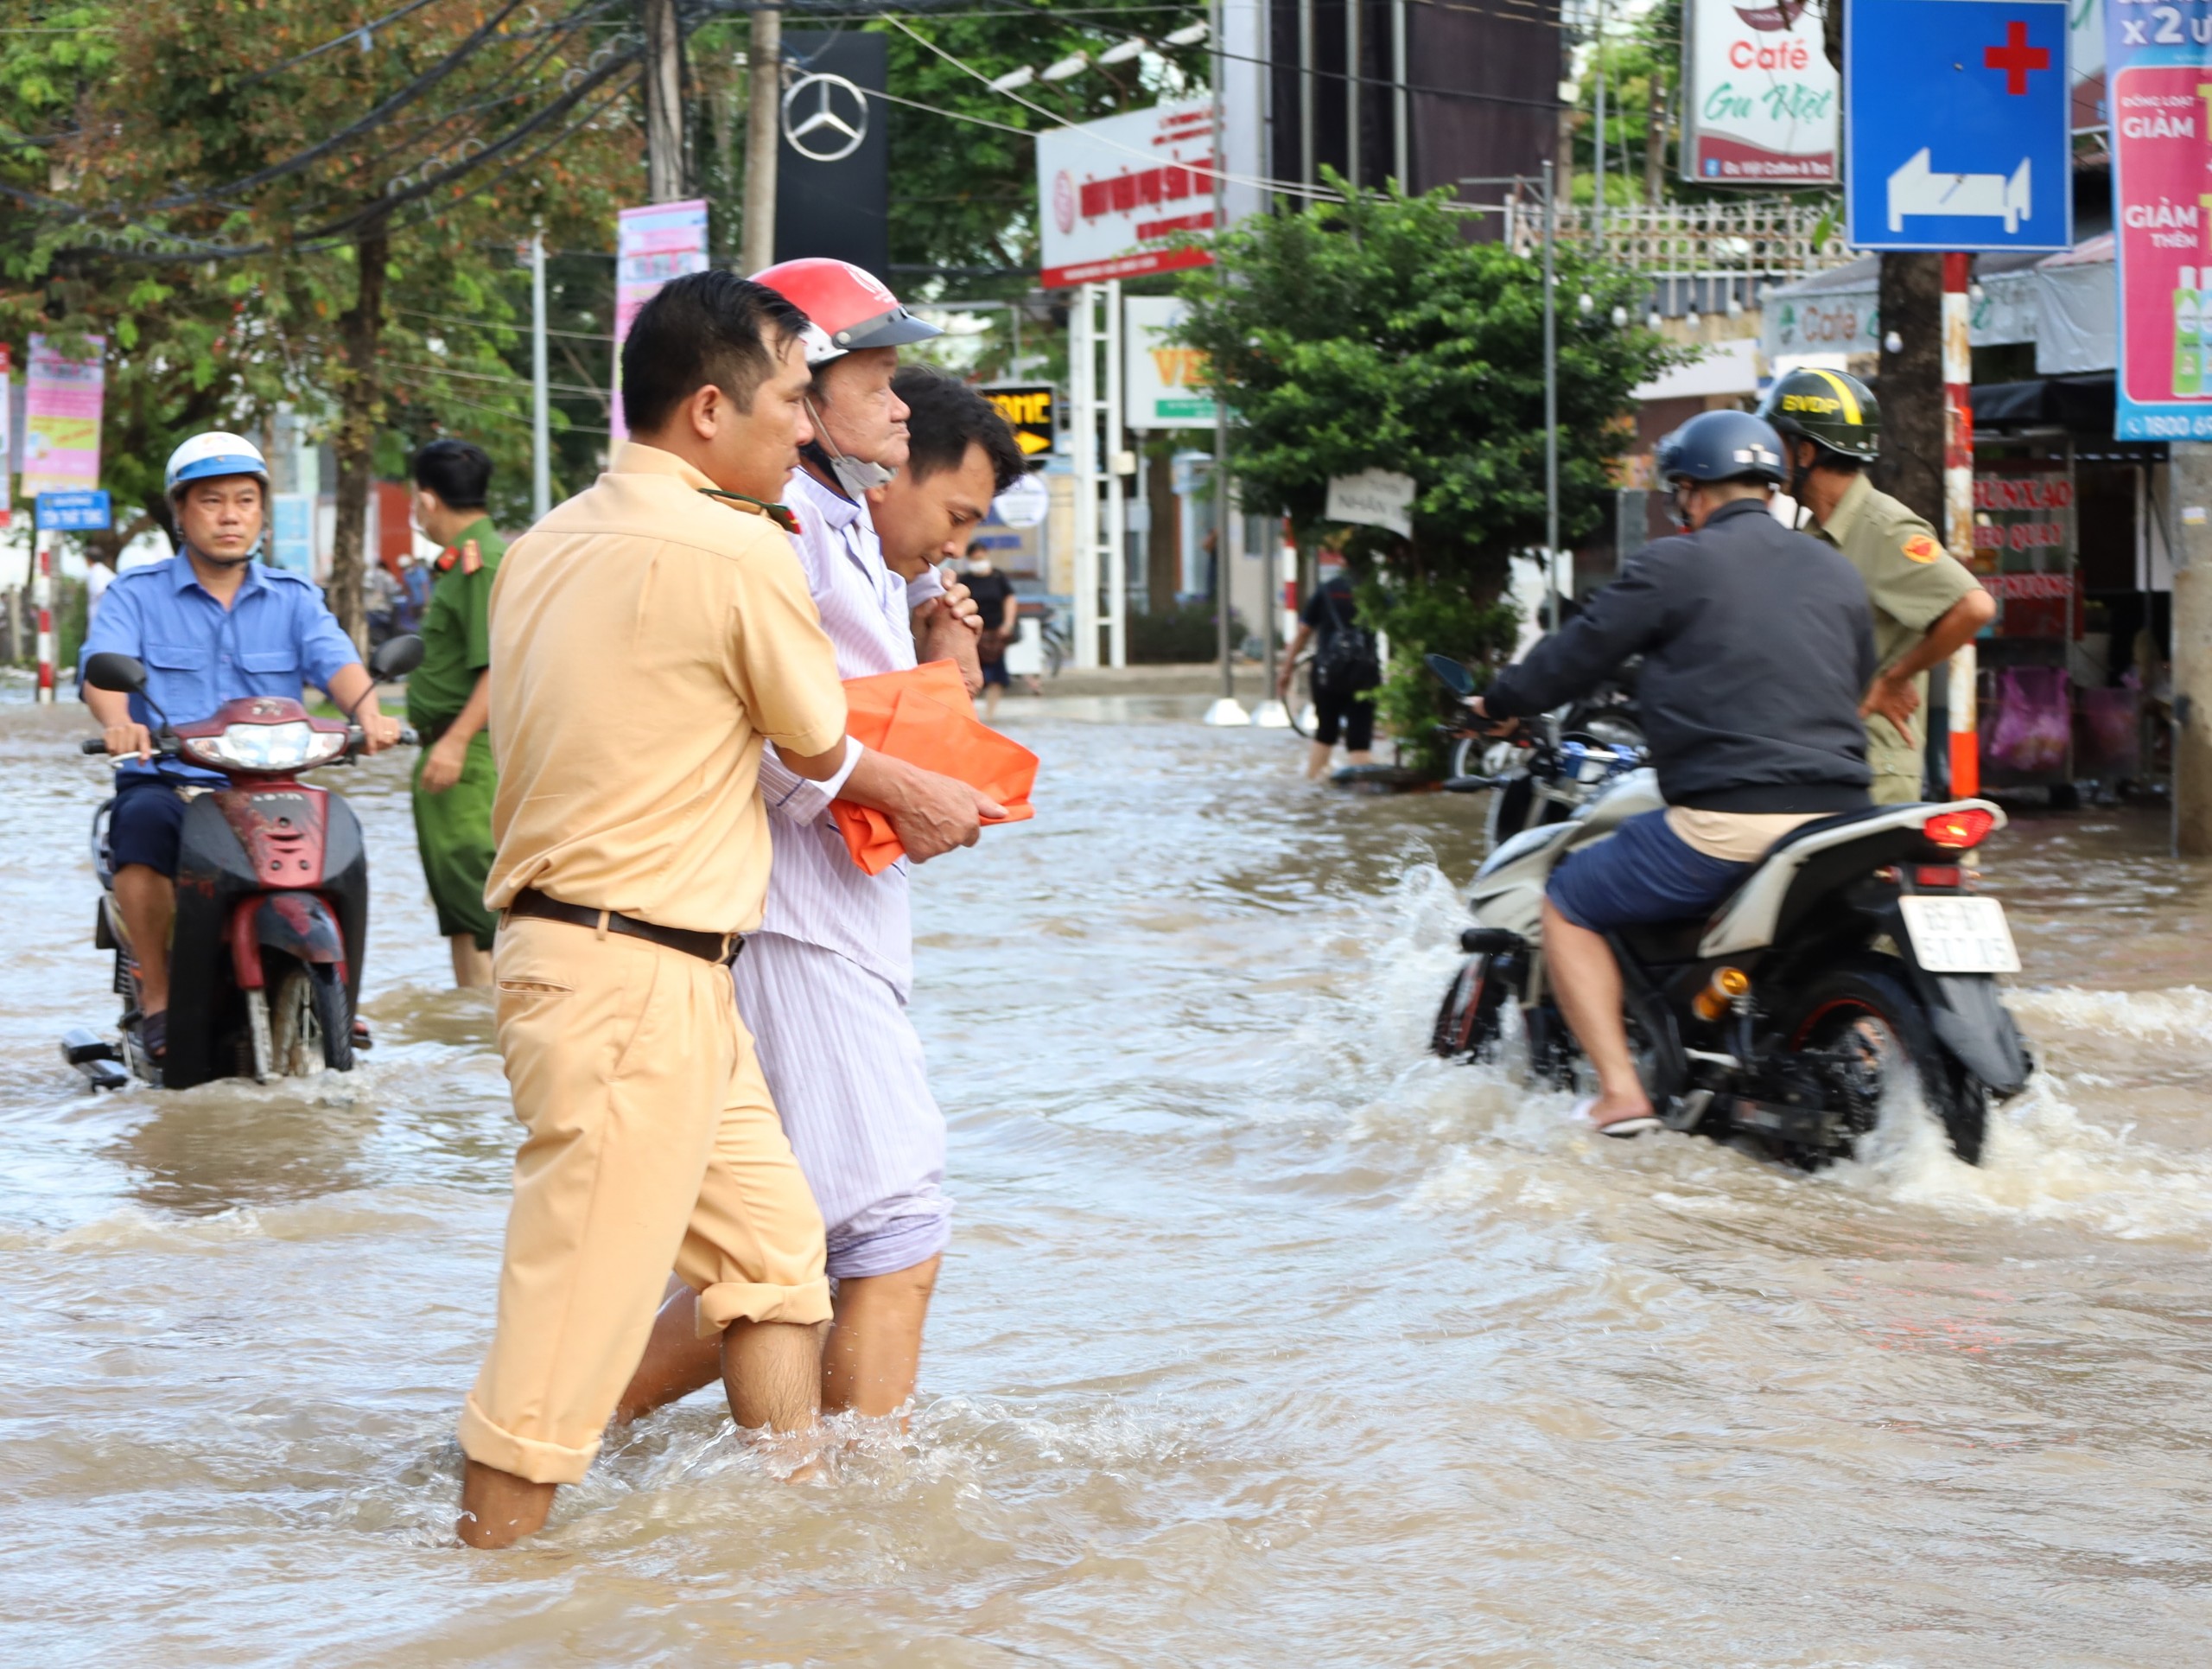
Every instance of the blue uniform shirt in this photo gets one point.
(275, 636)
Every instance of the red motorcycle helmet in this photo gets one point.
(852, 306)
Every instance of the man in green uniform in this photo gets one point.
(448, 701)
(1927, 604)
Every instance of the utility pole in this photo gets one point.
(1305, 174)
(1351, 91)
(2189, 539)
(541, 435)
(1227, 709)
(1402, 153)
(1551, 406)
(764, 122)
(664, 100)
(1598, 217)
(1958, 508)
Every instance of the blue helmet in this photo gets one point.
(205, 456)
(1719, 446)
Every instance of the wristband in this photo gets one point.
(831, 786)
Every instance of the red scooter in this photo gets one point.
(272, 897)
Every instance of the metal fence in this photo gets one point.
(1700, 257)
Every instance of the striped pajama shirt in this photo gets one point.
(822, 985)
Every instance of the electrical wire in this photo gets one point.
(488, 377)
(481, 323)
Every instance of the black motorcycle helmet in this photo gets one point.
(1836, 412)
(1719, 446)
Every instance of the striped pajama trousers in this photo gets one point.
(845, 1067)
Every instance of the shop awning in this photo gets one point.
(2063, 303)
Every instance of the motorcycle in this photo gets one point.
(1856, 955)
(272, 897)
(1547, 773)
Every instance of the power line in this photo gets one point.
(483, 323)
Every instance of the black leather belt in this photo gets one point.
(707, 947)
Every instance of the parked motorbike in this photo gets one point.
(272, 897)
(1855, 956)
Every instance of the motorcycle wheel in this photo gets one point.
(1864, 1009)
(1467, 1026)
(310, 1022)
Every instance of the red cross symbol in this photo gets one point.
(2016, 58)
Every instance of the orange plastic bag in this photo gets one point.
(924, 717)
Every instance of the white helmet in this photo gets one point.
(205, 456)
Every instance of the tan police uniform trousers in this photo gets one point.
(653, 1144)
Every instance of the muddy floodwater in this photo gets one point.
(1264, 1337)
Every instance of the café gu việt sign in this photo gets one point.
(1760, 97)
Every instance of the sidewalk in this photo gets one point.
(1202, 679)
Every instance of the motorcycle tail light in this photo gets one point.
(1938, 875)
(1961, 828)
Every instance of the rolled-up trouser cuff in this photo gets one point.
(899, 1244)
(756, 1301)
(526, 1457)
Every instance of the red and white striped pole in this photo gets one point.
(42, 599)
(1958, 508)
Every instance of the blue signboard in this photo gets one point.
(72, 513)
(291, 532)
(1956, 125)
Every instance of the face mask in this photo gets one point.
(854, 478)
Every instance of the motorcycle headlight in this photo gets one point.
(291, 747)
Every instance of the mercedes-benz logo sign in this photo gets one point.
(825, 117)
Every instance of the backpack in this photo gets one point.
(1347, 661)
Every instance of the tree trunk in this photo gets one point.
(360, 406)
(1909, 384)
(664, 79)
(1655, 143)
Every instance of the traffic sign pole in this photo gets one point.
(1958, 508)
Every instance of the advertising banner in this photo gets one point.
(651, 245)
(1117, 194)
(1031, 409)
(61, 420)
(7, 437)
(1760, 99)
(291, 532)
(2157, 58)
(1163, 386)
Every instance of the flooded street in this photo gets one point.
(1264, 1339)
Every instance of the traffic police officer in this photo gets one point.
(1926, 603)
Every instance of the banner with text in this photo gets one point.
(2157, 59)
(1117, 195)
(1163, 386)
(651, 245)
(1759, 95)
(62, 419)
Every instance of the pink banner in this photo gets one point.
(62, 419)
(652, 245)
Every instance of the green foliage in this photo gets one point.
(1375, 334)
(182, 177)
(1417, 619)
(1182, 636)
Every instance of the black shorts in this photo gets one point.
(994, 673)
(144, 827)
(1352, 717)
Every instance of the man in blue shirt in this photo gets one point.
(211, 625)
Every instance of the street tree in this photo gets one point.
(1376, 333)
(283, 200)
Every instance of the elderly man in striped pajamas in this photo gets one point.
(824, 985)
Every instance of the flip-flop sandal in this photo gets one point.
(1622, 1130)
(154, 1034)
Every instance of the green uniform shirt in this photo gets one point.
(456, 626)
(1911, 581)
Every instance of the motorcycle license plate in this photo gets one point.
(1960, 935)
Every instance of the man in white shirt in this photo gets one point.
(824, 985)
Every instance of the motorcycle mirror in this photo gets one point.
(1454, 677)
(396, 657)
(121, 675)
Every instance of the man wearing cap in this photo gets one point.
(649, 637)
(824, 983)
(210, 625)
(1927, 604)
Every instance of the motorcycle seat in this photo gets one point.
(1821, 825)
(1653, 943)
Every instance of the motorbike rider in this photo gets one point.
(1758, 644)
(210, 625)
(1927, 604)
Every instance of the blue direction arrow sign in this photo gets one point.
(72, 513)
(1955, 124)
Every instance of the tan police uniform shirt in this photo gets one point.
(645, 639)
(1912, 583)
